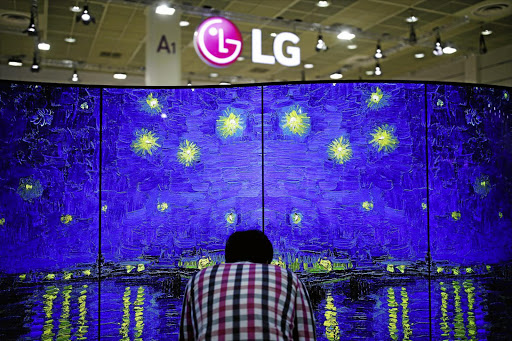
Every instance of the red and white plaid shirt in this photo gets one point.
(246, 301)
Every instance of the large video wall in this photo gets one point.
(373, 179)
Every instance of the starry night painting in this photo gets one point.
(391, 201)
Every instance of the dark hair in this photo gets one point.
(249, 246)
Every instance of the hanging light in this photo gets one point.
(449, 49)
(336, 75)
(411, 18)
(377, 71)
(378, 51)
(346, 35)
(323, 3)
(164, 9)
(321, 45)
(85, 16)
(189, 83)
(35, 64)
(119, 75)
(74, 78)
(15, 62)
(43, 46)
(486, 31)
(31, 30)
(438, 48)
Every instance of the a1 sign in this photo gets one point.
(218, 42)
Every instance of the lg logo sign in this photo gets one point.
(218, 42)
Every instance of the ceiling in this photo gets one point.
(116, 42)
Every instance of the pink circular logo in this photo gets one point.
(218, 42)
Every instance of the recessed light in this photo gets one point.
(419, 55)
(352, 46)
(43, 46)
(224, 83)
(323, 3)
(273, 34)
(214, 75)
(184, 23)
(308, 66)
(164, 10)
(120, 75)
(346, 35)
(336, 75)
(75, 9)
(70, 40)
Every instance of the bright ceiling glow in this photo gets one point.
(240, 59)
(419, 55)
(164, 10)
(15, 63)
(352, 46)
(120, 75)
(411, 19)
(70, 40)
(308, 66)
(214, 75)
(224, 83)
(184, 23)
(486, 32)
(323, 3)
(346, 35)
(43, 46)
(449, 49)
(273, 34)
(369, 72)
(75, 9)
(336, 75)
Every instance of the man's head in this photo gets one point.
(249, 246)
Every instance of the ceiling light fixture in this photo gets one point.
(378, 70)
(419, 55)
(86, 16)
(43, 46)
(214, 75)
(336, 75)
(486, 32)
(378, 51)
(320, 44)
(184, 23)
(224, 83)
(75, 9)
(35, 64)
(70, 40)
(411, 18)
(449, 49)
(352, 46)
(120, 75)
(346, 35)
(369, 72)
(31, 30)
(273, 34)
(165, 9)
(189, 83)
(74, 78)
(323, 4)
(15, 62)
(240, 59)
(308, 66)
(438, 47)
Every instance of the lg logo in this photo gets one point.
(218, 42)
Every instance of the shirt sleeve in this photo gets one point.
(304, 324)
(186, 325)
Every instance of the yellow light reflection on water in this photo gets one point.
(445, 328)
(49, 297)
(64, 324)
(139, 314)
(470, 291)
(460, 330)
(332, 329)
(406, 326)
(125, 325)
(393, 314)
(82, 313)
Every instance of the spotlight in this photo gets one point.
(15, 62)
(86, 16)
(35, 65)
(377, 71)
(43, 46)
(438, 48)
(31, 30)
(120, 75)
(482, 46)
(320, 45)
(323, 3)
(74, 78)
(346, 35)
(449, 49)
(164, 10)
(378, 51)
(336, 75)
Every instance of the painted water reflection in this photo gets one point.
(462, 309)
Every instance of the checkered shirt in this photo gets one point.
(246, 301)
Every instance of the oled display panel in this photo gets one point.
(390, 200)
